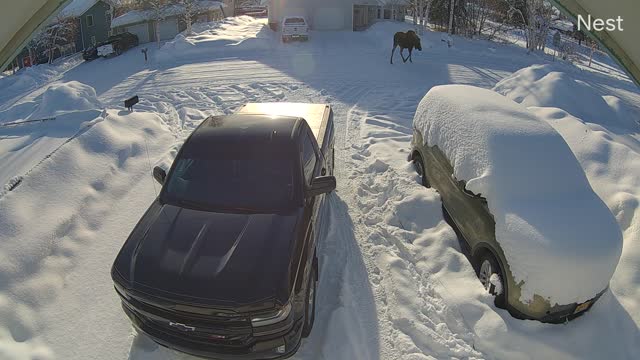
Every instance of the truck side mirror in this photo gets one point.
(159, 174)
(321, 185)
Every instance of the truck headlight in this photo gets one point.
(272, 318)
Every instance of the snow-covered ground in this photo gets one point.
(393, 282)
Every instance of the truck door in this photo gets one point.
(313, 166)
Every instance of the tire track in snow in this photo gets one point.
(415, 320)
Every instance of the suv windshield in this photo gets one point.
(238, 180)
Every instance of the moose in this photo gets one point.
(408, 40)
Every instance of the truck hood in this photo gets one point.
(209, 258)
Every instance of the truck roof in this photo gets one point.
(253, 128)
(316, 115)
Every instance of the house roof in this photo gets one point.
(137, 16)
(77, 8)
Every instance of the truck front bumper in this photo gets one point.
(289, 37)
(280, 347)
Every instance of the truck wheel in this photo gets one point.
(310, 303)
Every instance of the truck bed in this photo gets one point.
(317, 116)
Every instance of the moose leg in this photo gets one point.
(404, 60)
(392, 51)
(410, 50)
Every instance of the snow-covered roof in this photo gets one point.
(558, 237)
(137, 16)
(391, 2)
(77, 7)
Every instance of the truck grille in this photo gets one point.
(225, 330)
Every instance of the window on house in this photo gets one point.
(89, 20)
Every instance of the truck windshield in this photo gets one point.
(234, 182)
(294, 21)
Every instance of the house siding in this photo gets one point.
(210, 15)
(327, 14)
(101, 25)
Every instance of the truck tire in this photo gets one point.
(310, 302)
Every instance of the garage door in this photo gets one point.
(328, 19)
(141, 30)
(168, 29)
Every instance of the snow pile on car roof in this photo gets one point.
(558, 237)
(67, 97)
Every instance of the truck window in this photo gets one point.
(294, 21)
(308, 158)
(233, 177)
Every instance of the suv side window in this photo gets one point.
(308, 158)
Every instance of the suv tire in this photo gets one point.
(486, 266)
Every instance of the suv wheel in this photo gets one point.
(418, 164)
(310, 303)
(491, 277)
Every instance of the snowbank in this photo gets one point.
(558, 237)
(542, 85)
(61, 229)
(215, 38)
(16, 85)
(67, 97)
(26, 145)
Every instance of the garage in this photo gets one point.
(140, 30)
(325, 18)
(168, 29)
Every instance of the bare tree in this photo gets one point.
(536, 17)
(157, 8)
(426, 8)
(191, 9)
(476, 15)
(59, 32)
(421, 13)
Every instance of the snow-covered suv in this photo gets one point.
(295, 28)
(539, 238)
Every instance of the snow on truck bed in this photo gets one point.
(314, 114)
(557, 235)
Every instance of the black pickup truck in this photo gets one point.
(223, 263)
